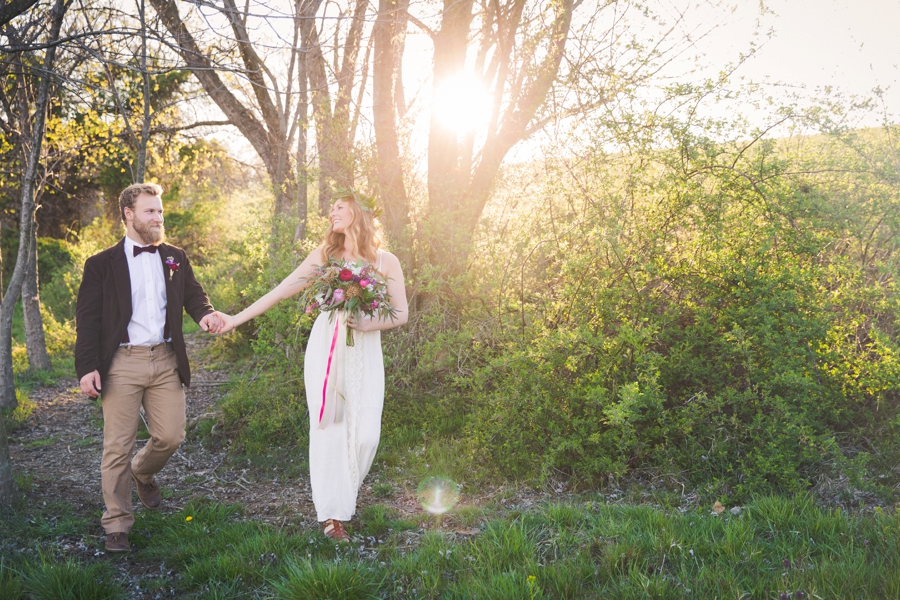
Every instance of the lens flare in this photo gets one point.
(437, 495)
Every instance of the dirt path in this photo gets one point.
(59, 450)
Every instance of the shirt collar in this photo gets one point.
(130, 244)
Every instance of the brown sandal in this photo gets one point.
(333, 529)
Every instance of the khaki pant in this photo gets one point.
(139, 375)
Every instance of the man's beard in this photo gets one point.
(148, 234)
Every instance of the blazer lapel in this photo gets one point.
(164, 253)
(123, 280)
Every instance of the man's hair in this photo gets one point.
(130, 194)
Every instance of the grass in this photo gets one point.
(590, 546)
(70, 580)
(19, 415)
(329, 580)
(88, 441)
(42, 442)
(584, 548)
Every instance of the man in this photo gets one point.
(130, 348)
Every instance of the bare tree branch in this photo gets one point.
(13, 9)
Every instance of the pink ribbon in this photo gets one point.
(334, 337)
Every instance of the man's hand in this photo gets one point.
(90, 384)
(211, 322)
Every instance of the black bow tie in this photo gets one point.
(139, 249)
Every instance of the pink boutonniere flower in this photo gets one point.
(173, 266)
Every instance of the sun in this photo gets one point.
(462, 103)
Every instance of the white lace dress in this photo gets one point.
(341, 454)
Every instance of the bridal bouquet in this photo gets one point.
(355, 288)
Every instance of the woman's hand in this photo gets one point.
(226, 323)
(364, 323)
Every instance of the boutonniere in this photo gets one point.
(173, 266)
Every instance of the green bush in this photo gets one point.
(712, 325)
(574, 401)
(268, 400)
(17, 417)
(60, 282)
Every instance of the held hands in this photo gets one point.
(222, 323)
(90, 384)
(211, 322)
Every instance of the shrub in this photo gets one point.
(574, 401)
(699, 321)
(268, 401)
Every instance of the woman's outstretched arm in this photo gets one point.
(292, 284)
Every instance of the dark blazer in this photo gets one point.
(103, 309)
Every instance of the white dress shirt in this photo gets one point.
(148, 296)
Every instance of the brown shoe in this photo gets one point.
(148, 492)
(333, 529)
(117, 542)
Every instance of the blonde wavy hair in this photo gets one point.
(365, 238)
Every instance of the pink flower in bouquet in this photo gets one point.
(309, 309)
(345, 275)
(339, 294)
(364, 282)
(374, 304)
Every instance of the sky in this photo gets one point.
(851, 45)
(802, 47)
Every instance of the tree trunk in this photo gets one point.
(345, 81)
(302, 135)
(515, 126)
(1, 265)
(36, 344)
(7, 385)
(327, 136)
(390, 29)
(141, 167)
(271, 134)
(7, 481)
(458, 188)
(204, 70)
(446, 185)
(26, 220)
(284, 184)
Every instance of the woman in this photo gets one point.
(341, 454)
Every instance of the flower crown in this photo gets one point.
(367, 203)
